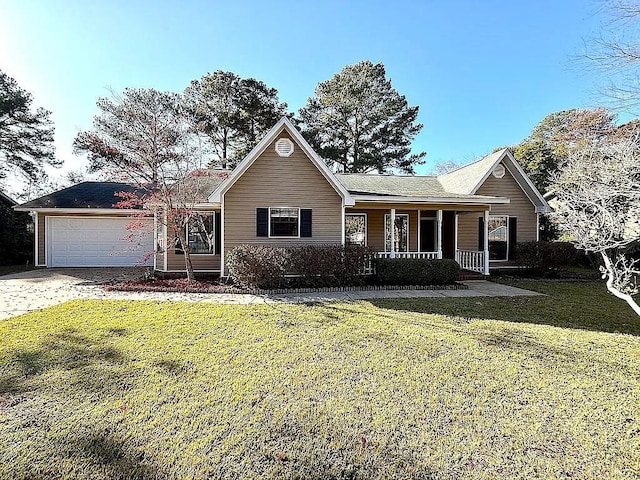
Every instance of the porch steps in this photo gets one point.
(470, 275)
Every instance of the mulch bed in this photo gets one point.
(182, 285)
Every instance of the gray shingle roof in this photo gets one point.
(396, 185)
(464, 179)
(83, 195)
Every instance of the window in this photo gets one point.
(401, 232)
(283, 222)
(200, 234)
(498, 238)
(355, 229)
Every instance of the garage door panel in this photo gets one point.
(96, 242)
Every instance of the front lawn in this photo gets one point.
(429, 388)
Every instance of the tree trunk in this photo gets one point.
(609, 274)
(187, 255)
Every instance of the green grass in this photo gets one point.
(433, 388)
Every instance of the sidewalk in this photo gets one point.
(28, 291)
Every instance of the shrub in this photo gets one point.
(546, 256)
(258, 266)
(303, 266)
(416, 271)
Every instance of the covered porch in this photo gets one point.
(423, 231)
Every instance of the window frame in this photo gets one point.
(388, 215)
(283, 236)
(366, 227)
(213, 232)
(506, 259)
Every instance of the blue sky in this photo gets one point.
(482, 73)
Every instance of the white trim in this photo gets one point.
(283, 124)
(439, 232)
(479, 200)
(36, 259)
(537, 227)
(165, 229)
(419, 230)
(544, 206)
(506, 259)
(222, 239)
(90, 211)
(366, 226)
(392, 237)
(46, 240)
(213, 231)
(343, 230)
(283, 236)
(155, 241)
(290, 145)
(486, 242)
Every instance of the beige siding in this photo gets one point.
(375, 226)
(520, 207)
(200, 262)
(42, 231)
(273, 181)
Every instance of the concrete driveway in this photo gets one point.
(36, 289)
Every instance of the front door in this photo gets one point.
(427, 235)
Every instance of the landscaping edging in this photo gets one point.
(221, 289)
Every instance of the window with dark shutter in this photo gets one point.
(262, 222)
(481, 233)
(305, 222)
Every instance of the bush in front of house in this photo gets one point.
(267, 267)
(546, 257)
(329, 265)
(416, 271)
(258, 266)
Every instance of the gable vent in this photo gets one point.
(284, 147)
(499, 171)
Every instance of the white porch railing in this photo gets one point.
(470, 260)
(408, 255)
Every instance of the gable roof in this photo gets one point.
(283, 124)
(7, 199)
(469, 178)
(83, 195)
(414, 188)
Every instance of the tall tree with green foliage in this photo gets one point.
(552, 140)
(232, 112)
(359, 123)
(26, 135)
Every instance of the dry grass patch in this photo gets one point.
(106, 389)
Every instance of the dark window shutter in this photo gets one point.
(262, 222)
(513, 237)
(217, 234)
(305, 222)
(481, 233)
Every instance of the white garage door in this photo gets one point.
(97, 242)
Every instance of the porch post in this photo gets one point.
(439, 233)
(486, 242)
(418, 249)
(392, 248)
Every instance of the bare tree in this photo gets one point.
(145, 138)
(615, 52)
(598, 193)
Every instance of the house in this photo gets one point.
(16, 234)
(283, 194)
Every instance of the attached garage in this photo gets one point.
(96, 242)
